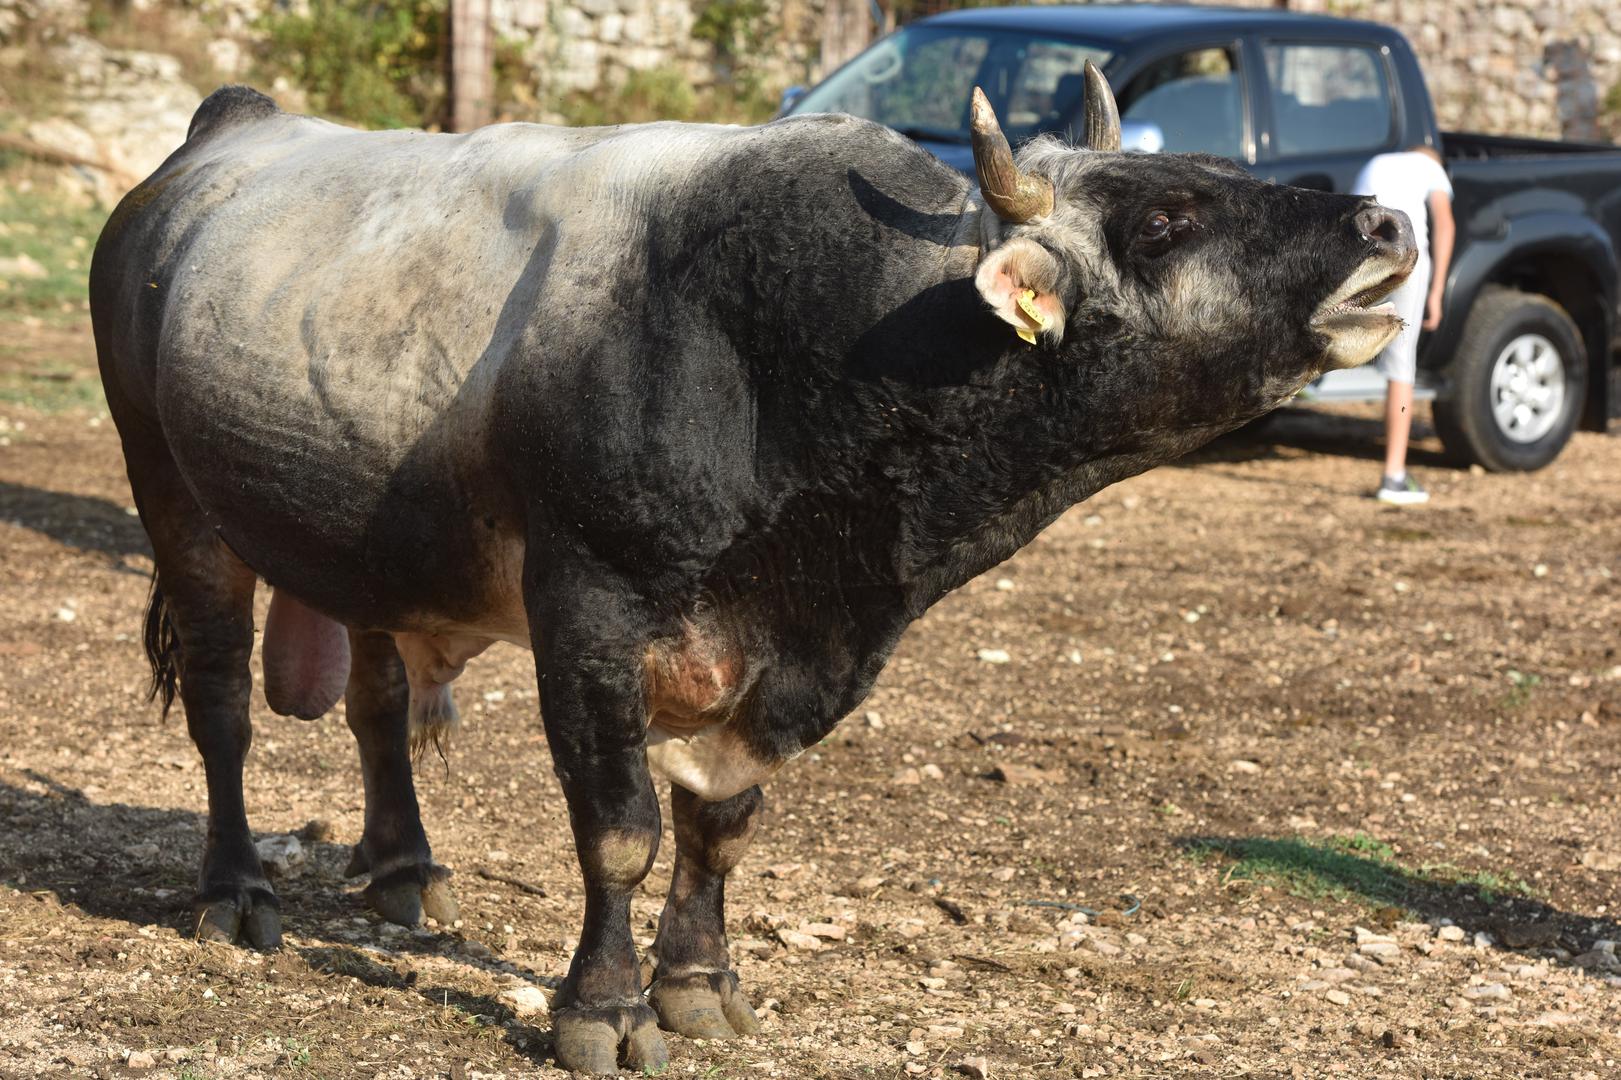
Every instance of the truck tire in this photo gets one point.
(1517, 383)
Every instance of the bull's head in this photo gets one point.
(1245, 290)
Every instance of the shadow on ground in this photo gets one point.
(65, 850)
(84, 522)
(1363, 870)
(1302, 428)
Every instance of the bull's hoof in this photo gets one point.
(251, 917)
(595, 1041)
(405, 895)
(703, 1005)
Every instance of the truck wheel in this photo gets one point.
(1517, 383)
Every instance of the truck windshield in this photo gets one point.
(918, 81)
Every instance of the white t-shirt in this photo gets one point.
(1405, 181)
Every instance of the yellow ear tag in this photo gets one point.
(1027, 305)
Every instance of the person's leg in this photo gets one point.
(1399, 365)
(1398, 426)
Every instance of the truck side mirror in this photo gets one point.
(790, 98)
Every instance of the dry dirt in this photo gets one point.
(1254, 711)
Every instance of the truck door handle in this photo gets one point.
(1315, 181)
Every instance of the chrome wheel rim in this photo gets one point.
(1528, 388)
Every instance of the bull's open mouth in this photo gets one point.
(1356, 318)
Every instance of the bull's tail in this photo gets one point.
(162, 647)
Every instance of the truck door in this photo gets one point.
(1325, 109)
(1196, 98)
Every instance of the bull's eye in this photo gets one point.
(1161, 229)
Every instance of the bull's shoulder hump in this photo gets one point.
(227, 107)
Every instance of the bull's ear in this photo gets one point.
(1020, 280)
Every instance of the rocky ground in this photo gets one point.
(1231, 773)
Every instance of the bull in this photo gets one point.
(703, 416)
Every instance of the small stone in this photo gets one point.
(784, 871)
(875, 720)
(907, 776)
(22, 266)
(1102, 948)
(315, 831)
(1484, 940)
(930, 983)
(911, 930)
(796, 939)
(1487, 992)
(916, 1068)
(1135, 940)
(1243, 765)
(143, 853)
(1004, 873)
(977, 1067)
(1602, 861)
(932, 772)
(994, 656)
(1024, 774)
(66, 614)
(915, 1047)
(825, 931)
(140, 1059)
(526, 1000)
(945, 1031)
(1338, 997)
(1204, 1003)
(1004, 584)
(1336, 974)
(282, 855)
(1450, 933)
(1380, 950)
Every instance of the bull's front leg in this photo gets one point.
(695, 991)
(593, 704)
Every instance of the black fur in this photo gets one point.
(229, 105)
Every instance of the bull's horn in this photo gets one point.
(1102, 117)
(1015, 196)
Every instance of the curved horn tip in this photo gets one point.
(981, 115)
(1102, 115)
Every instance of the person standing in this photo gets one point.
(1414, 182)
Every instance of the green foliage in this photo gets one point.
(375, 62)
(1520, 687)
(1351, 869)
(736, 28)
(664, 93)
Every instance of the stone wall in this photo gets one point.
(1521, 67)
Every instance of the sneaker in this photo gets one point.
(1401, 492)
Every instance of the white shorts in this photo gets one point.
(1399, 360)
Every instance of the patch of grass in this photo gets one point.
(50, 388)
(1406, 536)
(1351, 869)
(56, 233)
(1520, 687)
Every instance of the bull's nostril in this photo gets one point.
(1387, 231)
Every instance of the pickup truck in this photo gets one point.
(1526, 349)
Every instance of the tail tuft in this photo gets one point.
(162, 648)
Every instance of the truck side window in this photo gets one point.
(1327, 99)
(1194, 97)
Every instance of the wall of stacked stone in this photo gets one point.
(588, 45)
(1524, 67)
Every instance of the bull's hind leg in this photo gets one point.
(695, 991)
(405, 881)
(200, 634)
